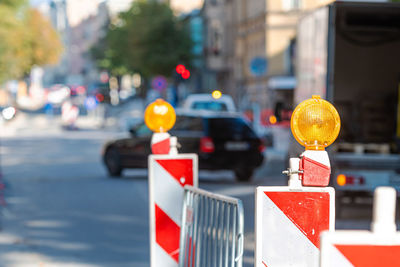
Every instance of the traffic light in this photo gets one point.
(181, 69)
(185, 74)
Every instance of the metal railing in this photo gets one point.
(211, 231)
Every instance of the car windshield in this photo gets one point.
(228, 127)
(216, 106)
(184, 123)
(142, 130)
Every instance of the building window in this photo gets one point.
(216, 37)
(291, 4)
(290, 58)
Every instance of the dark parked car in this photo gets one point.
(223, 142)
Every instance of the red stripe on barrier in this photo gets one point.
(309, 211)
(371, 255)
(161, 147)
(167, 233)
(180, 169)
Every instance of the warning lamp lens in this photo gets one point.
(159, 116)
(315, 123)
(216, 94)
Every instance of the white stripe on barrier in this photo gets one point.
(337, 258)
(318, 155)
(288, 224)
(359, 249)
(284, 229)
(163, 259)
(163, 199)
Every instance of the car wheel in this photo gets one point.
(113, 163)
(243, 174)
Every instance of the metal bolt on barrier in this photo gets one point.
(211, 231)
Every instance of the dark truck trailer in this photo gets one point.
(349, 53)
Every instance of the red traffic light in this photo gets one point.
(185, 74)
(180, 69)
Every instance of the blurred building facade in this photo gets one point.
(81, 24)
(250, 48)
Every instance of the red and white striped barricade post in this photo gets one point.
(357, 248)
(289, 220)
(169, 172)
(69, 114)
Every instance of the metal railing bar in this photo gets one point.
(213, 195)
(233, 237)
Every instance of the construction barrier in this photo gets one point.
(168, 174)
(212, 230)
(289, 220)
(379, 247)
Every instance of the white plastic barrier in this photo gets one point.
(168, 174)
(379, 247)
(289, 221)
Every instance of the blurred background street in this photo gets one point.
(63, 209)
(77, 75)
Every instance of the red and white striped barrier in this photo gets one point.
(160, 143)
(289, 221)
(315, 168)
(168, 174)
(379, 247)
(69, 113)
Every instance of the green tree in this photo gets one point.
(13, 55)
(43, 43)
(26, 39)
(147, 38)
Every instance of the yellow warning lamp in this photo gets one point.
(159, 116)
(315, 123)
(216, 94)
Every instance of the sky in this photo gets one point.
(37, 2)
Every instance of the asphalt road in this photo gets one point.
(63, 210)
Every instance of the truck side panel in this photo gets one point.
(312, 47)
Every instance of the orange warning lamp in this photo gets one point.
(159, 116)
(272, 119)
(315, 123)
(341, 179)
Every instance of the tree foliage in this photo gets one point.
(44, 43)
(26, 39)
(147, 38)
